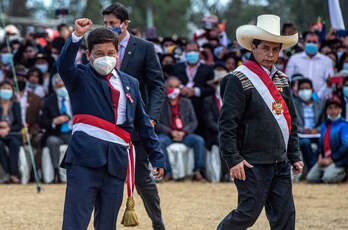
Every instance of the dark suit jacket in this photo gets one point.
(16, 126)
(204, 73)
(90, 95)
(211, 118)
(318, 113)
(186, 112)
(141, 62)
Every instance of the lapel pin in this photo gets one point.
(127, 88)
(129, 52)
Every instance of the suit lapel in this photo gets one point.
(128, 53)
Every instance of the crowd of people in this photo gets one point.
(33, 96)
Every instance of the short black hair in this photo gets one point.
(305, 80)
(118, 10)
(61, 26)
(287, 25)
(99, 36)
(311, 33)
(257, 42)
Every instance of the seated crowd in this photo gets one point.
(317, 69)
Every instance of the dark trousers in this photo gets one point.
(265, 185)
(146, 187)
(53, 143)
(9, 161)
(89, 188)
(309, 157)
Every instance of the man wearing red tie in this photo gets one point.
(107, 106)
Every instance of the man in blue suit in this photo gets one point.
(107, 107)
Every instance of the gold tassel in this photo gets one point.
(130, 218)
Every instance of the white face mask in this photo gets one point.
(305, 94)
(104, 65)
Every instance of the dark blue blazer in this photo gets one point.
(90, 94)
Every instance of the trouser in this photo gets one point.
(146, 187)
(265, 185)
(9, 161)
(88, 189)
(309, 157)
(328, 174)
(53, 143)
(192, 141)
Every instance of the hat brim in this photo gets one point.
(247, 33)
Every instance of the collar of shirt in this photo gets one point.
(124, 41)
(274, 70)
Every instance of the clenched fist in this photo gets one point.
(82, 25)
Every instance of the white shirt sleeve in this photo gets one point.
(75, 38)
(197, 91)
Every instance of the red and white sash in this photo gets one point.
(107, 131)
(269, 93)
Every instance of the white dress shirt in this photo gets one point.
(117, 84)
(317, 68)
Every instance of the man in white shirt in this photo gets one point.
(313, 65)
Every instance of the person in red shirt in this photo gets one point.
(177, 123)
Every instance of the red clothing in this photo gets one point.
(326, 144)
(176, 121)
(115, 95)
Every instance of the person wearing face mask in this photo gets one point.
(56, 120)
(10, 131)
(137, 58)
(31, 105)
(312, 64)
(34, 83)
(309, 117)
(107, 105)
(194, 76)
(177, 123)
(43, 63)
(211, 111)
(333, 146)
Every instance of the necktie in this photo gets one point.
(64, 128)
(115, 94)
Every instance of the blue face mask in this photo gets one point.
(42, 67)
(6, 94)
(192, 57)
(62, 92)
(117, 30)
(345, 66)
(311, 48)
(345, 91)
(334, 118)
(6, 58)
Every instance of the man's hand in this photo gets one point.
(60, 120)
(187, 92)
(158, 172)
(326, 161)
(82, 25)
(237, 171)
(297, 167)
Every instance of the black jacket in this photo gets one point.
(16, 126)
(187, 115)
(211, 118)
(50, 110)
(141, 61)
(248, 130)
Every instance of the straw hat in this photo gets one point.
(267, 29)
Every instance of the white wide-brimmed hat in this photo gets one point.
(267, 29)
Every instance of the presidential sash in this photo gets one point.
(271, 96)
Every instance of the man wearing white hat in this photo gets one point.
(257, 129)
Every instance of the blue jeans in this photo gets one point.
(309, 157)
(192, 141)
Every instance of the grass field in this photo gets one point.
(185, 205)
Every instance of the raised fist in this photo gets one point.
(82, 25)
